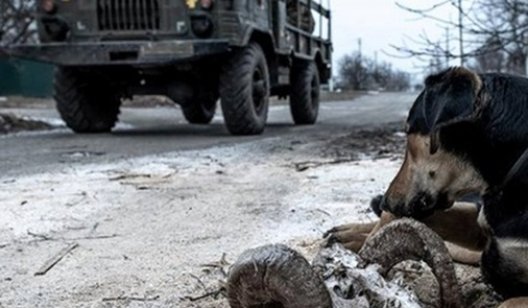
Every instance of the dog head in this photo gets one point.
(432, 176)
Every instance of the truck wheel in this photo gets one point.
(202, 109)
(245, 91)
(85, 103)
(304, 93)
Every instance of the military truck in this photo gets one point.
(193, 51)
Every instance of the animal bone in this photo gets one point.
(408, 239)
(276, 276)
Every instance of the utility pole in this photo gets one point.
(526, 62)
(447, 56)
(461, 32)
(359, 49)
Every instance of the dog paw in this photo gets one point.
(351, 236)
(329, 232)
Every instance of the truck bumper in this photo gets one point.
(118, 53)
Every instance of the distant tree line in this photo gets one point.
(358, 72)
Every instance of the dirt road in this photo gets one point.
(154, 213)
(146, 131)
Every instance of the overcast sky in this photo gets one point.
(380, 23)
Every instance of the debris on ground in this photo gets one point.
(10, 123)
(388, 141)
(56, 259)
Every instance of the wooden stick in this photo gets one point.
(55, 259)
(131, 298)
(42, 237)
(213, 294)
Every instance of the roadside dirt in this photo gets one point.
(161, 231)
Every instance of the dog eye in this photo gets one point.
(432, 174)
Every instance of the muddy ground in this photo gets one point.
(161, 231)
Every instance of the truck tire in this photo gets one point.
(85, 103)
(202, 109)
(304, 93)
(245, 91)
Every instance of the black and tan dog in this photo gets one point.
(466, 133)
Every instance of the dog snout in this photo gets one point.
(420, 206)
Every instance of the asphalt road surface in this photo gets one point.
(145, 131)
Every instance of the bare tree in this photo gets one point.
(432, 51)
(492, 58)
(505, 24)
(490, 35)
(17, 21)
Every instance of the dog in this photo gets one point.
(466, 133)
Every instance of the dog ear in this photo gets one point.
(450, 97)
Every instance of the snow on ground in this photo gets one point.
(146, 227)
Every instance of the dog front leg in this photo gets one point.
(463, 255)
(459, 226)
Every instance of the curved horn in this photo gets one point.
(407, 239)
(275, 276)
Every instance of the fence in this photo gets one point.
(25, 78)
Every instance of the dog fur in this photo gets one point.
(465, 133)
